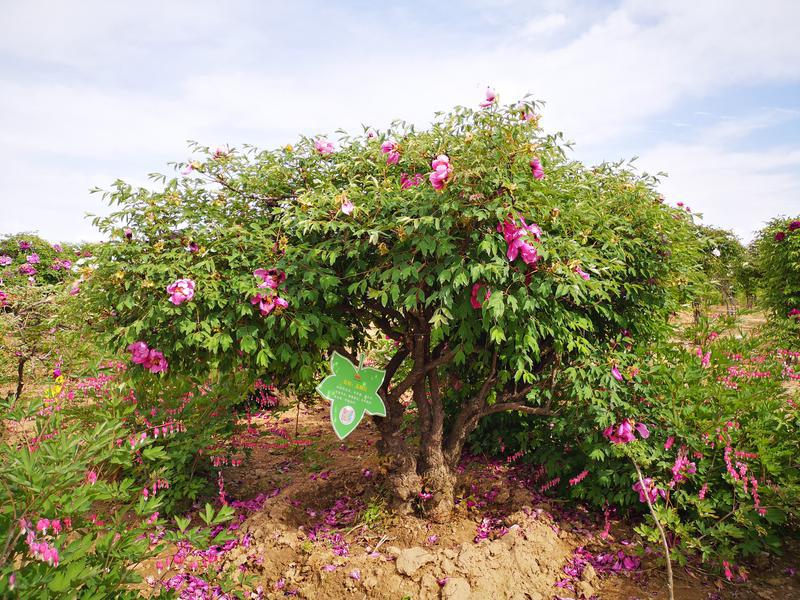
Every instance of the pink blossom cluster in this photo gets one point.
(550, 484)
(60, 264)
(151, 359)
(578, 478)
(738, 472)
(788, 354)
(705, 359)
(40, 548)
(5, 260)
(392, 151)
(268, 301)
(781, 235)
(681, 468)
(474, 301)
(180, 291)
(648, 490)
(151, 490)
(409, 181)
(323, 146)
(442, 171)
(3, 299)
(519, 239)
(743, 373)
(623, 432)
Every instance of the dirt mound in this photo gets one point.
(323, 532)
(524, 563)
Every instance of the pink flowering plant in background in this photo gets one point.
(71, 511)
(705, 428)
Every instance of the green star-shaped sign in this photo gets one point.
(352, 391)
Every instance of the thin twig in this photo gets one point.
(646, 493)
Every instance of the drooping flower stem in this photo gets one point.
(670, 585)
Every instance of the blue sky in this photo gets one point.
(708, 92)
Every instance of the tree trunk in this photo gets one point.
(426, 473)
(20, 377)
(696, 312)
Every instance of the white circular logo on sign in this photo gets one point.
(347, 415)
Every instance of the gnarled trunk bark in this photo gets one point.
(427, 473)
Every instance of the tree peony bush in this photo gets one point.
(490, 260)
(35, 322)
(777, 249)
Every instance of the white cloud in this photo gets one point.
(733, 189)
(545, 25)
(117, 89)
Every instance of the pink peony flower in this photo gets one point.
(139, 352)
(392, 152)
(780, 236)
(536, 169)
(517, 238)
(267, 303)
(648, 490)
(407, 182)
(442, 171)
(58, 248)
(25, 245)
(623, 432)
(347, 207)
(181, 291)
(270, 278)
(27, 269)
(323, 146)
(491, 98)
(476, 304)
(583, 274)
(615, 372)
(155, 363)
(5, 260)
(794, 225)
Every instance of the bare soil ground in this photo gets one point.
(320, 530)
